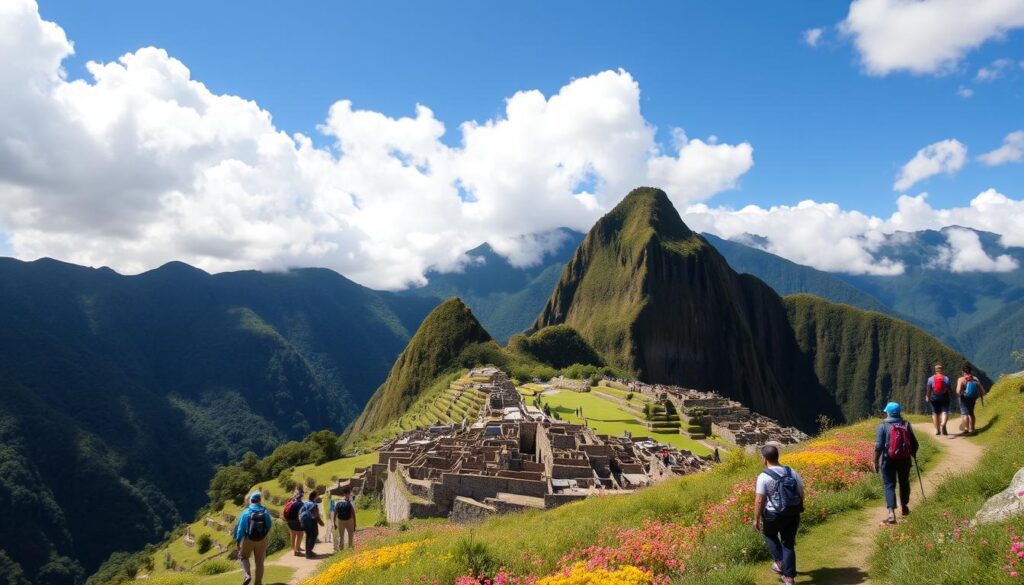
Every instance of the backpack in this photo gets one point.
(343, 510)
(259, 525)
(306, 512)
(787, 488)
(291, 510)
(971, 387)
(938, 385)
(900, 447)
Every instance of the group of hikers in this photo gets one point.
(303, 518)
(779, 491)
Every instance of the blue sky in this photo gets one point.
(820, 127)
(383, 140)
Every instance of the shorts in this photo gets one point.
(967, 405)
(940, 405)
(294, 525)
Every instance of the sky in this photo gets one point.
(385, 139)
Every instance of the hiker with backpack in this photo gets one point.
(251, 538)
(969, 388)
(937, 392)
(343, 520)
(291, 516)
(895, 452)
(778, 503)
(309, 516)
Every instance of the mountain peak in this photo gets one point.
(645, 211)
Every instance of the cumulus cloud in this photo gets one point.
(964, 92)
(141, 164)
(946, 156)
(1011, 151)
(926, 36)
(813, 36)
(964, 253)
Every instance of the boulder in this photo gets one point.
(1004, 505)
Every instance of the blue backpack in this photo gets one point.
(306, 512)
(789, 501)
(971, 388)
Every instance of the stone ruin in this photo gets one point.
(512, 457)
(714, 414)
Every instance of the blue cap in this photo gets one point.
(892, 409)
(255, 497)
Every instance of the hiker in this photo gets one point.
(937, 395)
(718, 458)
(251, 538)
(291, 516)
(895, 450)
(329, 512)
(343, 520)
(778, 503)
(969, 389)
(309, 516)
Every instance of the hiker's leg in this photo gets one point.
(935, 415)
(770, 531)
(310, 540)
(259, 552)
(903, 473)
(787, 537)
(350, 528)
(244, 552)
(889, 483)
(336, 534)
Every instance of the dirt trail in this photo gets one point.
(849, 567)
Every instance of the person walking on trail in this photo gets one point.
(969, 388)
(309, 516)
(291, 517)
(343, 520)
(937, 394)
(895, 451)
(251, 538)
(778, 503)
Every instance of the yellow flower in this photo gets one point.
(817, 458)
(579, 574)
(372, 559)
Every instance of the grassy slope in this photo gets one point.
(929, 548)
(866, 358)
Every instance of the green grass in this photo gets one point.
(928, 547)
(606, 417)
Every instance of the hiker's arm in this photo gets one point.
(758, 508)
(913, 438)
(239, 530)
(879, 446)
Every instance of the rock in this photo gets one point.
(1004, 505)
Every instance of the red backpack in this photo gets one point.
(938, 385)
(291, 511)
(900, 448)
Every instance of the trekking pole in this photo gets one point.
(919, 480)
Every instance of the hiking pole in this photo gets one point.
(919, 480)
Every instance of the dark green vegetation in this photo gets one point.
(505, 298)
(450, 337)
(656, 300)
(122, 394)
(937, 545)
(559, 346)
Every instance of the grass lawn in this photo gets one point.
(638, 399)
(605, 417)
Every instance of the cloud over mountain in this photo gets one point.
(141, 164)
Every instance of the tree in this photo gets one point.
(204, 543)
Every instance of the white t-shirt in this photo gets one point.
(766, 486)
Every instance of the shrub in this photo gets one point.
(473, 555)
(381, 522)
(311, 482)
(629, 396)
(279, 537)
(204, 543)
(213, 567)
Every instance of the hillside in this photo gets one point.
(133, 388)
(447, 332)
(505, 298)
(658, 301)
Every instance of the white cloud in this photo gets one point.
(1011, 151)
(141, 164)
(946, 156)
(964, 92)
(964, 253)
(813, 36)
(995, 70)
(827, 237)
(926, 36)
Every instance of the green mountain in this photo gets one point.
(125, 392)
(445, 335)
(657, 300)
(505, 298)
